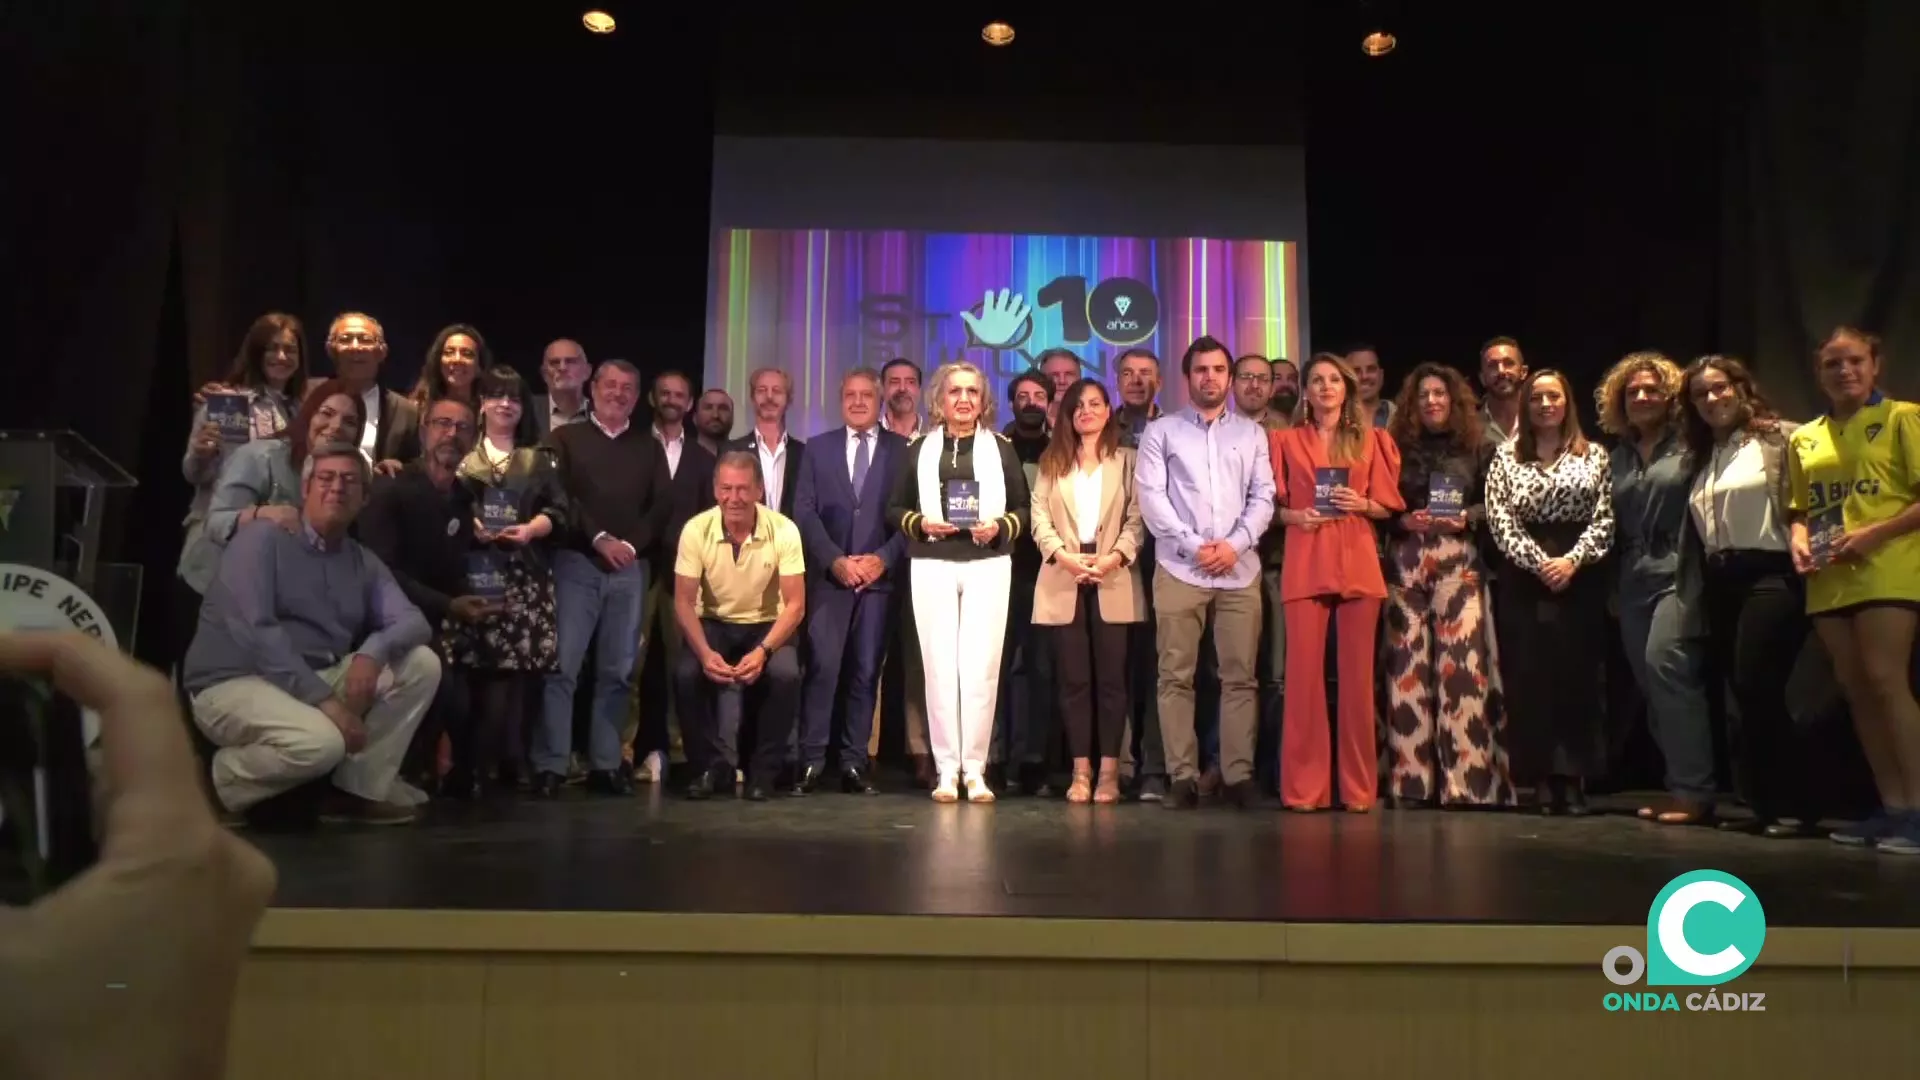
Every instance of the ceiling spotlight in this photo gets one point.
(597, 22)
(1378, 43)
(997, 33)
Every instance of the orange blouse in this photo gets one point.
(1338, 558)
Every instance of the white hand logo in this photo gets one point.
(1002, 321)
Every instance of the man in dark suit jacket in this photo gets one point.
(852, 560)
(690, 493)
(772, 389)
(357, 345)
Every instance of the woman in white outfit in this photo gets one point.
(962, 504)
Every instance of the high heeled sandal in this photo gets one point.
(1081, 790)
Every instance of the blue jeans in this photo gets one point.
(604, 608)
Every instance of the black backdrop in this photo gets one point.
(1728, 175)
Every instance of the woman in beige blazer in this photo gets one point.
(1087, 525)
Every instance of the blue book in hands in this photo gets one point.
(233, 413)
(962, 505)
(487, 575)
(1324, 481)
(1446, 496)
(1825, 529)
(498, 509)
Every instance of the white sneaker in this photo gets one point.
(978, 791)
(946, 790)
(651, 769)
(405, 794)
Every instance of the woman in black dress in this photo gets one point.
(520, 504)
(1550, 507)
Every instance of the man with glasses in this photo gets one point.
(1265, 392)
(420, 523)
(309, 660)
(357, 345)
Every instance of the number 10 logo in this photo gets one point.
(1119, 310)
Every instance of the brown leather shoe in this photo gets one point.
(923, 775)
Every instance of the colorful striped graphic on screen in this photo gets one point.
(817, 303)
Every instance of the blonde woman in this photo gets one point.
(961, 502)
(1087, 526)
(1336, 474)
(1661, 624)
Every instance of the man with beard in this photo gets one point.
(1286, 388)
(1207, 516)
(652, 722)
(420, 523)
(713, 421)
(900, 383)
(1256, 392)
(1023, 727)
(1503, 371)
(1253, 392)
(1365, 362)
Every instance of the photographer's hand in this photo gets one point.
(149, 941)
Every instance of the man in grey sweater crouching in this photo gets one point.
(309, 660)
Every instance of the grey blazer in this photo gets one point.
(261, 473)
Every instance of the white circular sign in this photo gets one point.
(33, 599)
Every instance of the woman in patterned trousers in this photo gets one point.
(1443, 731)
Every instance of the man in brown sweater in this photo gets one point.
(619, 490)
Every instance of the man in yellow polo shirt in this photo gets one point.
(739, 592)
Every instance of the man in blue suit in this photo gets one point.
(852, 557)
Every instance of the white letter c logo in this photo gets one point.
(1673, 932)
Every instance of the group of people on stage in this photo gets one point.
(366, 572)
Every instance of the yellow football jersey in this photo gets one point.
(1849, 475)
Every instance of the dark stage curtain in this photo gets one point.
(1822, 185)
(179, 172)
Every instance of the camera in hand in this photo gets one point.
(46, 808)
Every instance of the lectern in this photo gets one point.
(53, 493)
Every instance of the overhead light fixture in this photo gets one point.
(997, 33)
(597, 22)
(1378, 43)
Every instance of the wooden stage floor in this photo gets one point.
(901, 854)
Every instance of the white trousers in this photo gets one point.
(270, 743)
(960, 610)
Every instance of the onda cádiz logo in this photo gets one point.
(1705, 929)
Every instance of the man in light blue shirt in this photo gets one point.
(309, 659)
(1206, 490)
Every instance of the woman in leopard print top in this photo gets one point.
(1550, 507)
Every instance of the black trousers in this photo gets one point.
(712, 714)
(1090, 658)
(451, 714)
(185, 608)
(1757, 626)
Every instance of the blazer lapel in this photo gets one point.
(1109, 499)
(1068, 510)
